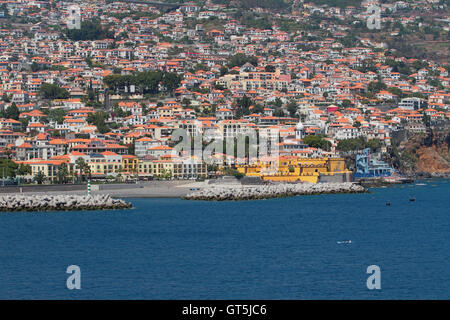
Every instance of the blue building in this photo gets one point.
(366, 167)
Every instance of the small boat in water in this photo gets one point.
(421, 184)
(344, 242)
(412, 199)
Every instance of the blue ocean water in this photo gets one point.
(267, 249)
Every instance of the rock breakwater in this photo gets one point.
(222, 193)
(60, 202)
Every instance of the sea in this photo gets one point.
(304, 247)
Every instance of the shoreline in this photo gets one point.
(148, 190)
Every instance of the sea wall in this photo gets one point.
(222, 193)
(335, 178)
(20, 202)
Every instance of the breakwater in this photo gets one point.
(222, 193)
(60, 202)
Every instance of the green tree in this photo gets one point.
(375, 87)
(8, 168)
(426, 119)
(223, 71)
(24, 169)
(240, 59)
(346, 104)
(171, 81)
(373, 144)
(338, 3)
(165, 174)
(63, 173)
(24, 122)
(90, 30)
(36, 67)
(5, 98)
(353, 144)
(80, 165)
(131, 149)
(99, 120)
(53, 91)
(269, 68)
(232, 172)
(317, 141)
(12, 112)
(56, 115)
(39, 177)
(396, 91)
(292, 108)
(243, 106)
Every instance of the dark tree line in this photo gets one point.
(53, 91)
(90, 30)
(317, 141)
(99, 120)
(12, 112)
(338, 3)
(144, 82)
(249, 4)
(360, 143)
(240, 59)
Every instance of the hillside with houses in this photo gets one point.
(95, 90)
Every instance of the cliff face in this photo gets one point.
(422, 154)
(433, 159)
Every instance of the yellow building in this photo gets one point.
(130, 137)
(49, 168)
(146, 167)
(165, 111)
(130, 163)
(104, 167)
(292, 169)
(175, 168)
(254, 80)
(104, 164)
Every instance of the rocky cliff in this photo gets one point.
(425, 154)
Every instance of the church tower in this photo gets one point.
(299, 130)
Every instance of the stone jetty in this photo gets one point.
(21, 202)
(222, 193)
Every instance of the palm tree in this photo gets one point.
(39, 177)
(80, 165)
(87, 170)
(63, 173)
